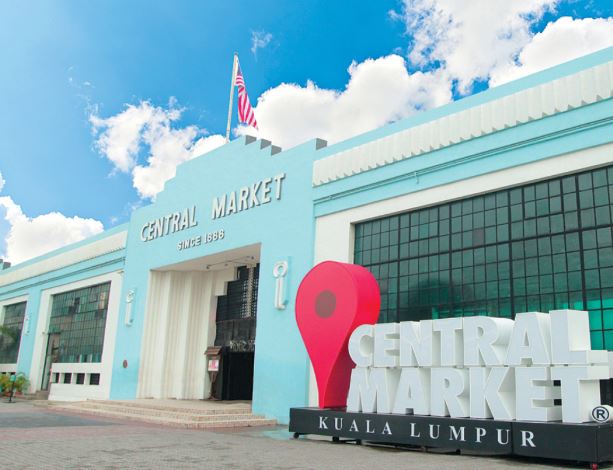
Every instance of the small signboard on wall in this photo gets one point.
(213, 365)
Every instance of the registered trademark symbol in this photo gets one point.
(600, 414)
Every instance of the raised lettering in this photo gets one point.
(175, 222)
(243, 195)
(266, 190)
(278, 179)
(219, 207)
(253, 200)
(184, 220)
(231, 209)
(143, 237)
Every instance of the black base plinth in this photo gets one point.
(586, 442)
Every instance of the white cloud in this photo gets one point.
(469, 38)
(453, 43)
(259, 40)
(561, 41)
(1, 182)
(379, 91)
(145, 128)
(31, 237)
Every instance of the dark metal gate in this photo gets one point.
(236, 322)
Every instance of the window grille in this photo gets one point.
(535, 247)
(79, 316)
(11, 335)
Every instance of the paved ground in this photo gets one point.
(37, 438)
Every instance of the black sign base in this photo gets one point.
(587, 442)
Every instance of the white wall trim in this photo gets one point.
(106, 364)
(8, 368)
(97, 248)
(566, 93)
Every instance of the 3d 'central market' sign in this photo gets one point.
(250, 196)
(495, 384)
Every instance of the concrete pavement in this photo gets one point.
(37, 438)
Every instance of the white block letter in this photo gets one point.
(361, 345)
(570, 339)
(535, 394)
(413, 393)
(492, 393)
(386, 345)
(486, 340)
(449, 392)
(372, 390)
(450, 330)
(530, 340)
(580, 387)
(418, 347)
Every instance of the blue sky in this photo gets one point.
(71, 67)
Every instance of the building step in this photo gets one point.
(39, 395)
(200, 415)
(192, 416)
(140, 405)
(182, 422)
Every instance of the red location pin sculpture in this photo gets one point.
(333, 300)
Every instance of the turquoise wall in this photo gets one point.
(284, 228)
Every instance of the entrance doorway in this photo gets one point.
(191, 307)
(52, 355)
(235, 334)
(237, 376)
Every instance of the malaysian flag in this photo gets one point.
(245, 111)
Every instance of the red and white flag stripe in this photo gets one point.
(245, 111)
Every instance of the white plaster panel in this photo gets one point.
(104, 367)
(573, 91)
(92, 250)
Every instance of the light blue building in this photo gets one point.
(499, 203)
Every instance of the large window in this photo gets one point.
(537, 247)
(10, 336)
(79, 316)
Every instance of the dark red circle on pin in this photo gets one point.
(325, 304)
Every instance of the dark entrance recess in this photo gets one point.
(236, 322)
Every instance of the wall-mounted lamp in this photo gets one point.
(128, 319)
(279, 272)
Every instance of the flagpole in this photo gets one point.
(234, 70)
